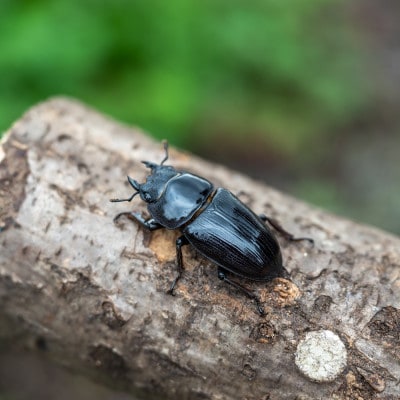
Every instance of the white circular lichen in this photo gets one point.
(321, 356)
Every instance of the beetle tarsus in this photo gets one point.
(171, 290)
(118, 216)
(287, 235)
(248, 293)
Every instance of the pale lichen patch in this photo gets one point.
(321, 356)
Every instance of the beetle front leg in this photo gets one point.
(149, 224)
(248, 293)
(181, 241)
(287, 235)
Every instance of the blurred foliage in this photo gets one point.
(285, 70)
(275, 84)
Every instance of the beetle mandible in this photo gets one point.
(214, 221)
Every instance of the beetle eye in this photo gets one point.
(146, 196)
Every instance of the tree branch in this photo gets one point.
(93, 293)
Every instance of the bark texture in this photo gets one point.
(92, 294)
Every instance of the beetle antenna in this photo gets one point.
(165, 143)
(135, 185)
(128, 199)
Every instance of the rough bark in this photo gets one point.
(92, 293)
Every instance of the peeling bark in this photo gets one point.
(92, 294)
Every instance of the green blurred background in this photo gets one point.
(303, 94)
(298, 93)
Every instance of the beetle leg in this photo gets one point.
(181, 241)
(149, 224)
(287, 235)
(248, 293)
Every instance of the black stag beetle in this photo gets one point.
(213, 221)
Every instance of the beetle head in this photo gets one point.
(154, 187)
(155, 184)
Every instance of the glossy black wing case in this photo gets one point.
(232, 236)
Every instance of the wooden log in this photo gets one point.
(92, 293)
